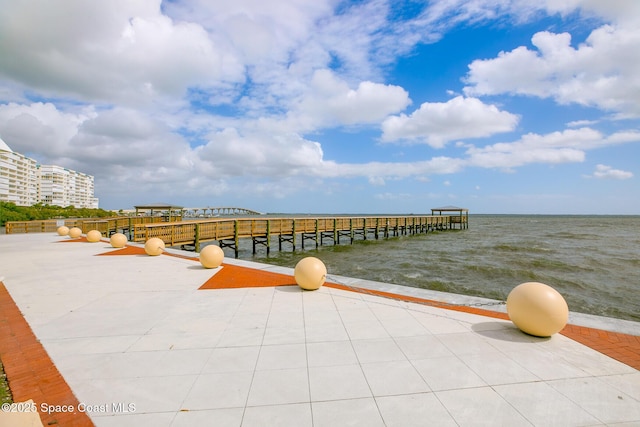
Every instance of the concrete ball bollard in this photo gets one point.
(537, 309)
(310, 273)
(118, 240)
(75, 232)
(211, 256)
(63, 230)
(94, 236)
(154, 246)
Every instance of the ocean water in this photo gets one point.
(593, 261)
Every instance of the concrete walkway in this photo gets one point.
(138, 342)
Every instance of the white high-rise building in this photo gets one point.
(24, 182)
(18, 177)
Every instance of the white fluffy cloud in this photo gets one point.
(437, 123)
(607, 172)
(329, 101)
(116, 51)
(568, 146)
(229, 153)
(41, 127)
(603, 72)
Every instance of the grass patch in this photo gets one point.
(5, 393)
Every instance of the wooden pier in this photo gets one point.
(290, 230)
(106, 226)
(262, 230)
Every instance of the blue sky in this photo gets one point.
(328, 106)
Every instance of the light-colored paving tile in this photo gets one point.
(249, 319)
(544, 406)
(228, 417)
(414, 410)
(422, 347)
(330, 353)
(447, 373)
(176, 341)
(276, 387)
(293, 334)
(292, 415)
(283, 356)
(160, 419)
(349, 302)
(385, 309)
(393, 378)
(89, 345)
(377, 350)
(318, 301)
(466, 343)
(351, 412)
(497, 368)
(337, 382)
(316, 332)
(232, 359)
(363, 330)
(440, 324)
(590, 361)
(627, 383)
(192, 323)
(603, 401)
(545, 364)
(280, 316)
(134, 364)
(215, 391)
(148, 395)
(241, 337)
(403, 327)
(480, 407)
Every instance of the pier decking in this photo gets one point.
(228, 232)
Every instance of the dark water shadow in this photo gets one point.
(200, 267)
(505, 332)
(292, 288)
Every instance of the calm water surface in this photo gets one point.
(593, 261)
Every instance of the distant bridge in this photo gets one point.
(209, 211)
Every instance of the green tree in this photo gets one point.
(10, 212)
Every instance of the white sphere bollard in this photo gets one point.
(537, 309)
(94, 236)
(118, 240)
(211, 256)
(75, 232)
(63, 230)
(154, 246)
(310, 273)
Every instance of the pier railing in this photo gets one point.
(228, 232)
(106, 226)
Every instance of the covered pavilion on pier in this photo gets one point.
(462, 219)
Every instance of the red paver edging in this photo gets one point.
(233, 276)
(622, 347)
(30, 371)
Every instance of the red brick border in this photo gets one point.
(29, 369)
